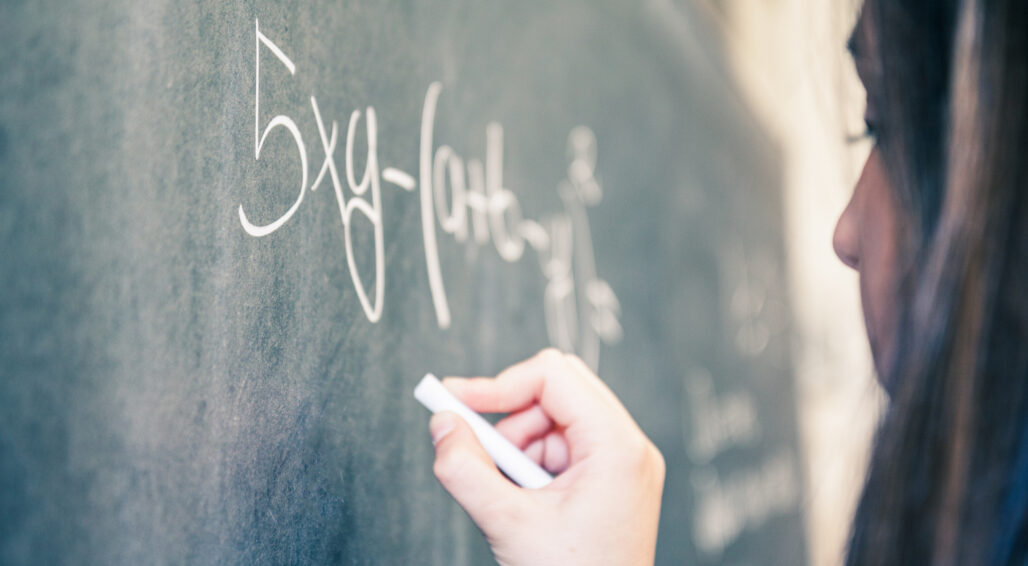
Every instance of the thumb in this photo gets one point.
(465, 470)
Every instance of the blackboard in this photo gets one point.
(223, 270)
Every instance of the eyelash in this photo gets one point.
(871, 132)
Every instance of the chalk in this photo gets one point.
(518, 467)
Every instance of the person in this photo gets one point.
(935, 228)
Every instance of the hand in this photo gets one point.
(602, 508)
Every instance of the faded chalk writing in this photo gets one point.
(716, 422)
(740, 501)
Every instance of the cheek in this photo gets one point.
(879, 245)
(876, 277)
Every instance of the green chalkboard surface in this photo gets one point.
(234, 236)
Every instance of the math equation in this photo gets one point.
(581, 310)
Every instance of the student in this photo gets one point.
(936, 229)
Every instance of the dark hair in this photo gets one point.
(948, 482)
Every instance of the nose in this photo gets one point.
(845, 240)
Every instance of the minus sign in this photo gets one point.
(398, 178)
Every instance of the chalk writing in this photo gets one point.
(755, 314)
(571, 267)
(581, 310)
(743, 500)
(716, 422)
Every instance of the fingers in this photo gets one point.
(525, 426)
(532, 431)
(534, 450)
(590, 377)
(549, 379)
(465, 470)
(556, 456)
(551, 452)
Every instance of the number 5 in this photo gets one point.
(259, 138)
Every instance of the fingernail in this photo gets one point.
(441, 425)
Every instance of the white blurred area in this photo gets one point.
(789, 58)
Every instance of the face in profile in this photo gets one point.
(867, 234)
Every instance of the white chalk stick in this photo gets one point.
(518, 467)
